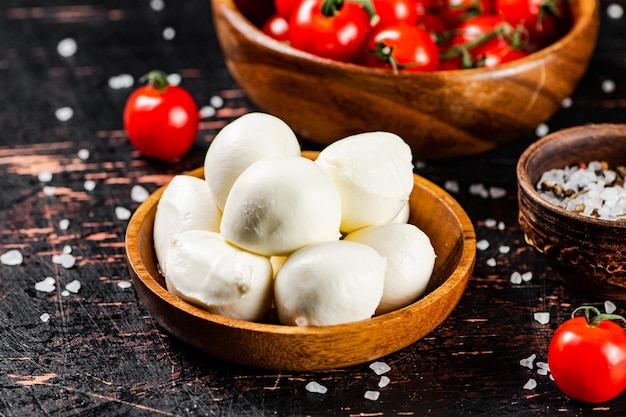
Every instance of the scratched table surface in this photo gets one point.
(75, 340)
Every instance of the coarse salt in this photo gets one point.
(527, 276)
(67, 47)
(89, 185)
(542, 317)
(122, 213)
(46, 285)
(66, 260)
(451, 186)
(497, 192)
(45, 176)
(118, 82)
(44, 317)
(49, 190)
(531, 384)
(139, 193)
(216, 101)
(609, 307)
(73, 286)
(12, 258)
(490, 223)
(384, 381)
(64, 114)
(504, 249)
(64, 224)
(207, 111)
(482, 244)
(491, 262)
(529, 361)
(124, 284)
(371, 395)
(169, 33)
(316, 387)
(380, 368)
(516, 278)
(543, 368)
(83, 154)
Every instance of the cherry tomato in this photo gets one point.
(277, 27)
(403, 47)
(454, 12)
(587, 356)
(543, 19)
(336, 32)
(433, 25)
(391, 12)
(161, 120)
(284, 7)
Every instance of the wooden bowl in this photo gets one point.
(279, 347)
(441, 114)
(589, 254)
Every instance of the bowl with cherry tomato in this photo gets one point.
(451, 77)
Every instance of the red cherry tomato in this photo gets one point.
(277, 27)
(284, 7)
(391, 12)
(587, 356)
(543, 19)
(403, 47)
(454, 12)
(161, 120)
(337, 32)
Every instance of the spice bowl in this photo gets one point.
(440, 114)
(270, 345)
(587, 252)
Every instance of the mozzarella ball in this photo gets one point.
(281, 204)
(204, 270)
(186, 204)
(245, 140)
(410, 261)
(374, 174)
(329, 283)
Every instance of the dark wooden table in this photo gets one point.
(67, 173)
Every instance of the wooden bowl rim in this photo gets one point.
(588, 12)
(572, 134)
(459, 276)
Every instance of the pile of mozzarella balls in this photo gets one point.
(325, 242)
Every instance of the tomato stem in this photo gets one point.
(157, 79)
(332, 7)
(594, 317)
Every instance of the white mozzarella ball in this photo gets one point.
(374, 174)
(329, 283)
(245, 140)
(281, 204)
(186, 204)
(204, 270)
(410, 261)
(403, 216)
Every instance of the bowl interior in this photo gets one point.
(274, 346)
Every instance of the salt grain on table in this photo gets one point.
(516, 278)
(527, 276)
(479, 190)
(66, 260)
(380, 368)
(124, 284)
(12, 258)
(64, 114)
(497, 192)
(451, 186)
(169, 33)
(157, 5)
(490, 223)
(73, 286)
(83, 154)
(491, 262)
(482, 244)
(542, 130)
(118, 82)
(609, 307)
(384, 381)
(316, 388)
(174, 78)
(542, 317)
(531, 384)
(543, 368)
(122, 213)
(44, 317)
(207, 111)
(504, 249)
(47, 285)
(49, 190)
(64, 224)
(89, 185)
(217, 102)
(139, 194)
(67, 47)
(371, 395)
(528, 362)
(45, 176)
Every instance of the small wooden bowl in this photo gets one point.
(588, 254)
(441, 114)
(279, 347)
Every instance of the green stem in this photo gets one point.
(594, 317)
(157, 79)
(332, 7)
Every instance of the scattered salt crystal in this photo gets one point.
(64, 224)
(451, 186)
(157, 5)
(174, 79)
(316, 387)
(380, 368)
(65, 293)
(122, 213)
(482, 244)
(45, 176)
(490, 223)
(419, 164)
(608, 86)
(615, 11)
(497, 192)
(12, 258)
(531, 384)
(384, 381)
(89, 185)
(609, 307)
(504, 249)
(169, 33)
(542, 129)
(516, 278)
(49, 190)
(371, 395)
(501, 226)
(64, 114)
(479, 190)
(118, 82)
(543, 368)
(44, 317)
(542, 317)
(66, 260)
(567, 102)
(207, 111)
(67, 249)
(491, 262)
(216, 101)
(529, 361)
(83, 154)
(73, 286)
(46, 285)
(527, 276)
(67, 47)
(124, 284)
(139, 194)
